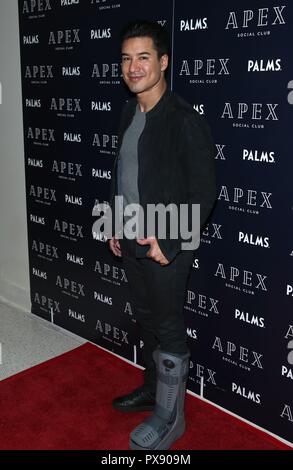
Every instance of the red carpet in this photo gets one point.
(65, 403)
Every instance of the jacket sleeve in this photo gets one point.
(195, 176)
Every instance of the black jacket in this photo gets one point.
(175, 159)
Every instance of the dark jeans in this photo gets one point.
(158, 294)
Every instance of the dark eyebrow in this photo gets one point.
(140, 53)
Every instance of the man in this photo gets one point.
(165, 155)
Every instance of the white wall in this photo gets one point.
(14, 269)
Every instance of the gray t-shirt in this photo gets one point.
(127, 171)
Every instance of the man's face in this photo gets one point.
(142, 70)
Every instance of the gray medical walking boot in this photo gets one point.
(167, 424)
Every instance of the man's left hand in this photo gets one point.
(154, 252)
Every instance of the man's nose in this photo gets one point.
(133, 65)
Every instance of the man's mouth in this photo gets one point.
(135, 78)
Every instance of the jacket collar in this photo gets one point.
(158, 106)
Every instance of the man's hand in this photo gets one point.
(115, 246)
(154, 252)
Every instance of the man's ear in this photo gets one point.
(164, 62)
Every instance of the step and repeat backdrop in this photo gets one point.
(233, 62)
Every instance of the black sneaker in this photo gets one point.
(138, 400)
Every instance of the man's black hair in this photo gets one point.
(150, 29)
